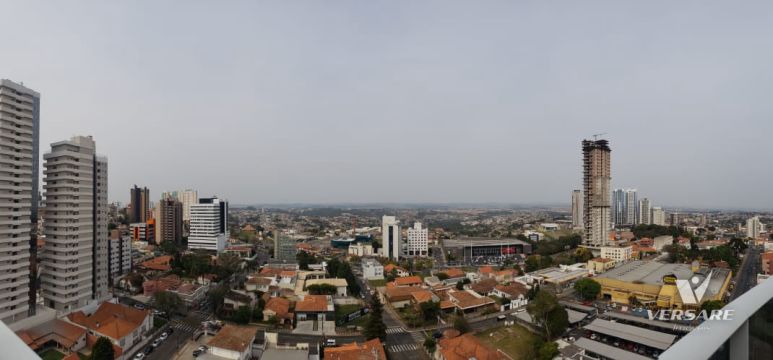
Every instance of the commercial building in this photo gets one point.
(616, 253)
(624, 208)
(599, 265)
(209, 225)
(284, 247)
(645, 212)
(754, 227)
(418, 241)
(473, 247)
(577, 208)
(120, 256)
(372, 269)
(19, 139)
(596, 191)
(361, 249)
(145, 231)
(75, 262)
(169, 224)
(139, 204)
(390, 236)
(654, 284)
(658, 216)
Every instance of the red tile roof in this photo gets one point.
(369, 350)
(467, 347)
(314, 303)
(112, 320)
(408, 281)
(235, 338)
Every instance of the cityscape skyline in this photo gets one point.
(280, 120)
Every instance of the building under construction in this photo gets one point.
(596, 180)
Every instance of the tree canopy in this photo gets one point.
(168, 301)
(375, 327)
(588, 289)
(103, 349)
(548, 313)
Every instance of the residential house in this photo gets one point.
(397, 269)
(515, 292)
(261, 284)
(233, 342)
(369, 350)
(372, 269)
(484, 286)
(468, 301)
(340, 285)
(234, 299)
(465, 347)
(316, 308)
(160, 263)
(58, 334)
(408, 281)
(123, 325)
(400, 297)
(279, 308)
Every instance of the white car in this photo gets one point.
(139, 356)
(164, 336)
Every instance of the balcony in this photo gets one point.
(742, 337)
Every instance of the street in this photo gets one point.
(747, 272)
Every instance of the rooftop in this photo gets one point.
(607, 350)
(369, 350)
(335, 282)
(466, 242)
(408, 280)
(652, 273)
(111, 320)
(651, 338)
(232, 337)
(315, 303)
(467, 347)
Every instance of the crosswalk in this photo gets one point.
(395, 330)
(418, 337)
(183, 326)
(403, 347)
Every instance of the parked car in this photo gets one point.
(196, 352)
(202, 348)
(164, 336)
(157, 342)
(139, 306)
(330, 342)
(148, 349)
(139, 356)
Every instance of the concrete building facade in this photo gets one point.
(658, 216)
(139, 203)
(74, 263)
(19, 144)
(390, 235)
(169, 224)
(645, 212)
(577, 207)
(418, 241)
(209, 225)
(596, 191)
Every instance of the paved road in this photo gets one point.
(747, 272)
(183, 329)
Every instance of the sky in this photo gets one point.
(406, 101)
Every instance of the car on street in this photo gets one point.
(148, 349)
(196, 352)
(139, 306)
(139, 356)
(164, 336)
(330, 342)
(157, 342)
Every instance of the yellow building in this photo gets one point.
(599, 265)
(654, 284)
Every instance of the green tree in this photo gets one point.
(216, 296)
(375, 327)
(442, 276)
(322, 289)
(103, 349)
(273, 321)
(168, 302)
(712, 305)
(227, 264)
(242, 315)
(257, 312)
(532, 263)
(430, 344)
(305, 259)
(547, 313)
(461, 325)
(547, 351)
(588, 289)
(459, 285)
(345, 272)
(430, 310)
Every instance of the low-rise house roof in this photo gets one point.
(315, 303)
(161, 263)
(369, 350)
(394, 294)
(62, 332)
(467, 300)
(454, 273)
(484, 286)
(112, 320)
(408, 281)
(280, 306)
(234, 338)
(422, 296)
(513, 290)
(467, 347)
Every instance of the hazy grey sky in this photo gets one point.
(406, 101)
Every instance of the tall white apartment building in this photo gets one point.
(19, 137)
(624, 207)
(75, 262)
(187, 198)
(418, 241)
(577, 209)
(658, 216)
(390, 237)
(645, 212)
(209, 225)
(120, 256)
(754, 227)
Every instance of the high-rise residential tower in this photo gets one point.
(75, 260)
(169, 222)
(645, 212)
(754, 227)
(120, 255)
(209, 225)
(624, 207)
(390, 235)
(577, 209)
(187, 198)
(418, 241)
(139, 204)
(19, 196)
(596, 180)
(658, 216)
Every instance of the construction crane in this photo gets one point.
(596, 136)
